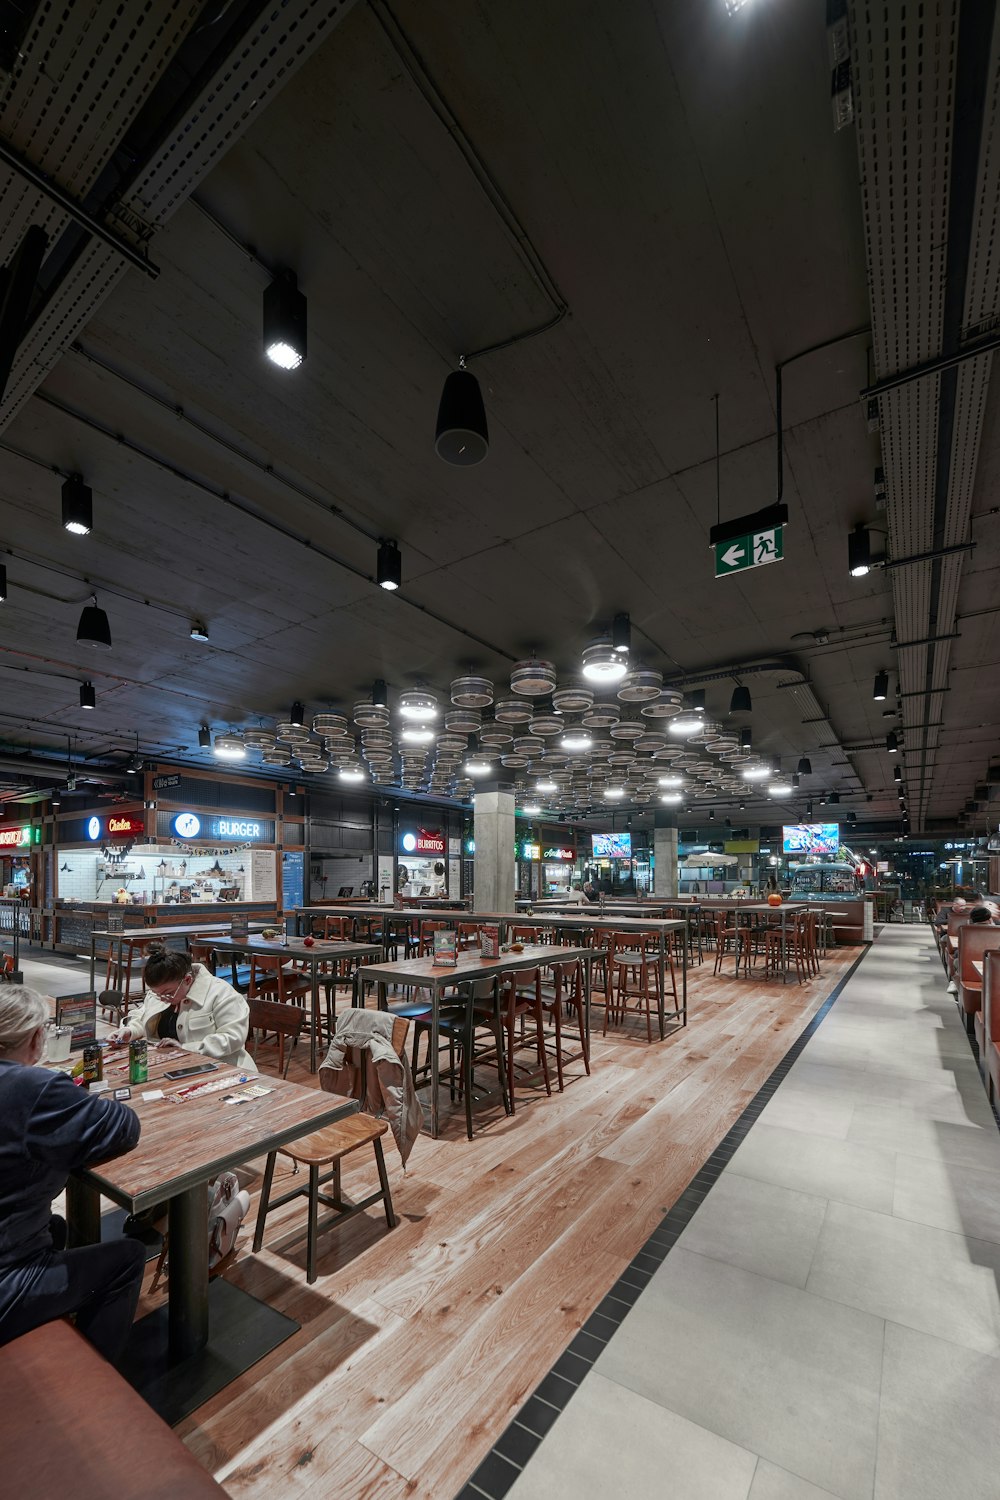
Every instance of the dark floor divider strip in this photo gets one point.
(519, 1442)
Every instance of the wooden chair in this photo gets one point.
(521, 998)
(475, 1009)
(286, 1021)
(725, 938)
(337, 929)
(271, 980)
(567, 994)
(326, 1149)
(425, 942)
(635, 975)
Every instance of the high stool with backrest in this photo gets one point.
(568, 992)
(327, 1148)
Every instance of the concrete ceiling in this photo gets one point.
(684, 193)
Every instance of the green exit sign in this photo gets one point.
(755, 550)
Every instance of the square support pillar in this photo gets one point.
(665, 854)
(494, 833)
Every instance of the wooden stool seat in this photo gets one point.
(334, 1142)
(327, 1148)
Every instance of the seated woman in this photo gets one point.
(48, 1127)
(185, 1005)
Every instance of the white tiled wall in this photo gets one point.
(350, 870)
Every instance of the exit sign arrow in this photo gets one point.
(754, 550)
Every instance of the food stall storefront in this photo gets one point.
(18, 841)
(422, 862)
(163, 862)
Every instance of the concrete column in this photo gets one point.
(664, 854)
(493, 830)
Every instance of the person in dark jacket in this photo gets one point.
(49, 1127)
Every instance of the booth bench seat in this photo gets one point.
(73, 1427)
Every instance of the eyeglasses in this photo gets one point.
(171, 995)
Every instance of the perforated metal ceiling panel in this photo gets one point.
(120, 54)
(929, 183)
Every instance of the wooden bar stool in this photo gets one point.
(635, 975)
(327, 1148)
(568, 993)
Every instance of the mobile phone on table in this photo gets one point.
(190, 1072)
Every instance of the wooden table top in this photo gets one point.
(187, 1140)
(181, 929)
(470, 965)
(594, 919)
(293, 947)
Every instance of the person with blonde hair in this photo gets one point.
(48, 1128)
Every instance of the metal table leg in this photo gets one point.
(314, 1002)
(684, 985)
(660, 1001)
(93, 960)
(188, 1308)
(435, 1061)
(83, 1215)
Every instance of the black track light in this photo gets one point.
(746, 739)
(859, 550)
(805, 766)
(809, 809)
(833, 798)
(93, 629)
(204, 738)
(880, 687)
(696, 701)
(461, 436)
(389, 568)
(621, 633)
(380, 693)
(897, 773)
(284, 311)
(77, 506)
(743, 807)
(711, 814)
(297, 716)
(3, 583)
(892, 742)
(88, 698)
(741, 702)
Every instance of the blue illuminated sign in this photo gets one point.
(186, 825)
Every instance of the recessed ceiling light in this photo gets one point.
(199, 631)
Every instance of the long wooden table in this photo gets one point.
(424, 973)
(143, 936)
(290, 950)
(189, 1137)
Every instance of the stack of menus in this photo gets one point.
(489, 942)
(446, 948)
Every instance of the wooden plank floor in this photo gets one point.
(418, 1346)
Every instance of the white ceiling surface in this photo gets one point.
(678, 172)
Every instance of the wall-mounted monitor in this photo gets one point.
(811, 838)
(611, 845)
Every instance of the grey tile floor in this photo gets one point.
(828, 1324)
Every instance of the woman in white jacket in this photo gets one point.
(186, 1006)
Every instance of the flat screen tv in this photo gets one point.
(611, 845)
(811, 838)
